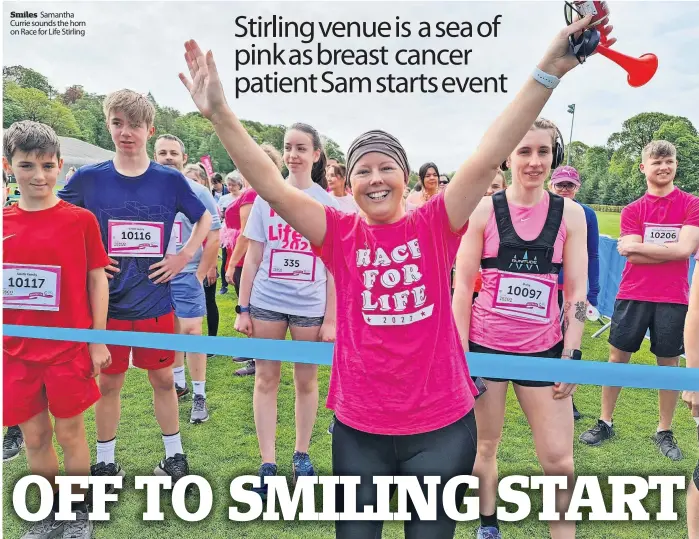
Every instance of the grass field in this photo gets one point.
(226, 447)
(609, 223)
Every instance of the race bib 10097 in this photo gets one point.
(523, 295)
(135, 238)
(31, 287)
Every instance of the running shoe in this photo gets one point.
(576, 414)
(241, 359)
(248, 370)
(597, 434)
(667, 444)
(267, 469)
(331, 427)
(80, 528)
(200, 412)
(45, 529)
(112, 470)
(488, 532)
(181, 390)
(301, 463)
(12, 443)
(176, 467)
(223, 291)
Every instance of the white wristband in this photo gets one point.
(549, 81)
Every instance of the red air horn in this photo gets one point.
(640, 70)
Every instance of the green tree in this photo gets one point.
(636, 132)
(28, 78)
(38, 107)
(332, 150)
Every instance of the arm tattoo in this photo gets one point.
(564, 327)
(566, 307)
(580, 314)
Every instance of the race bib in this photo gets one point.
(524, 296)
(177, 232)
(31, 287)
(661, 234)
(292, 265)
(135, 238)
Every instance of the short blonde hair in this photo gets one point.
(200, 171)
(658, 148)
(543, 123)
(273, 154)
(137, 108)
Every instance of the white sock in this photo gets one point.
(105, 451)
(608, 423)
(173, 445)
(180, 380)
(696, 420)
(199, 388)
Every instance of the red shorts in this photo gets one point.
(144, 358)
(67, 389)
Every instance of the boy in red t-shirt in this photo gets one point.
(50, 282)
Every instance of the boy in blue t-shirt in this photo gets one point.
(135, 201)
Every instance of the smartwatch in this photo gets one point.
(240, 309)
(572, 353)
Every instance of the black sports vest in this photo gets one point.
(520, 256)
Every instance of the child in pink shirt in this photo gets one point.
(659, 232)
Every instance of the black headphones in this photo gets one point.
(585, 45)
(558, 152)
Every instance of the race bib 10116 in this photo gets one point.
(135, 238)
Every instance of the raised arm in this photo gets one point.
(471, 180)
(303, 213)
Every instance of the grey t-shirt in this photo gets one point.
(182, 228)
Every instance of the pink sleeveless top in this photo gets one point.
(511, 327)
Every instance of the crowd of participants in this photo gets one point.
(335, 252)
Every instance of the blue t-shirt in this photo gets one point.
(592, 255)
(155, 196)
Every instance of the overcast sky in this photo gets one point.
(139, 45)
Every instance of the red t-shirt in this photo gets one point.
(653, 217)
(232, 216)
(398, 364)
(65, 237)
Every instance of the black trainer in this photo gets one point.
(576, 414)
(597, 434)
(667, 444)
(111, 469)
(176, 467)
(12, 443)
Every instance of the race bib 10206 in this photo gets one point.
(523, 296)
(31, 287)
(661, 234)
(135, 238)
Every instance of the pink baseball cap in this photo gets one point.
(565, 174)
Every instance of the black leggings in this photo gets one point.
(224, 258)
(236, 280)
(447, 452)
(211, 309)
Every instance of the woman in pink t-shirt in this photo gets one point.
(520, 237)
(400, 385)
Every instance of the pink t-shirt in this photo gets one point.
(232, 216)
(500, 327)
(398, 365)
(658, 220)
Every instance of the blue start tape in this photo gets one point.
(485, 365)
